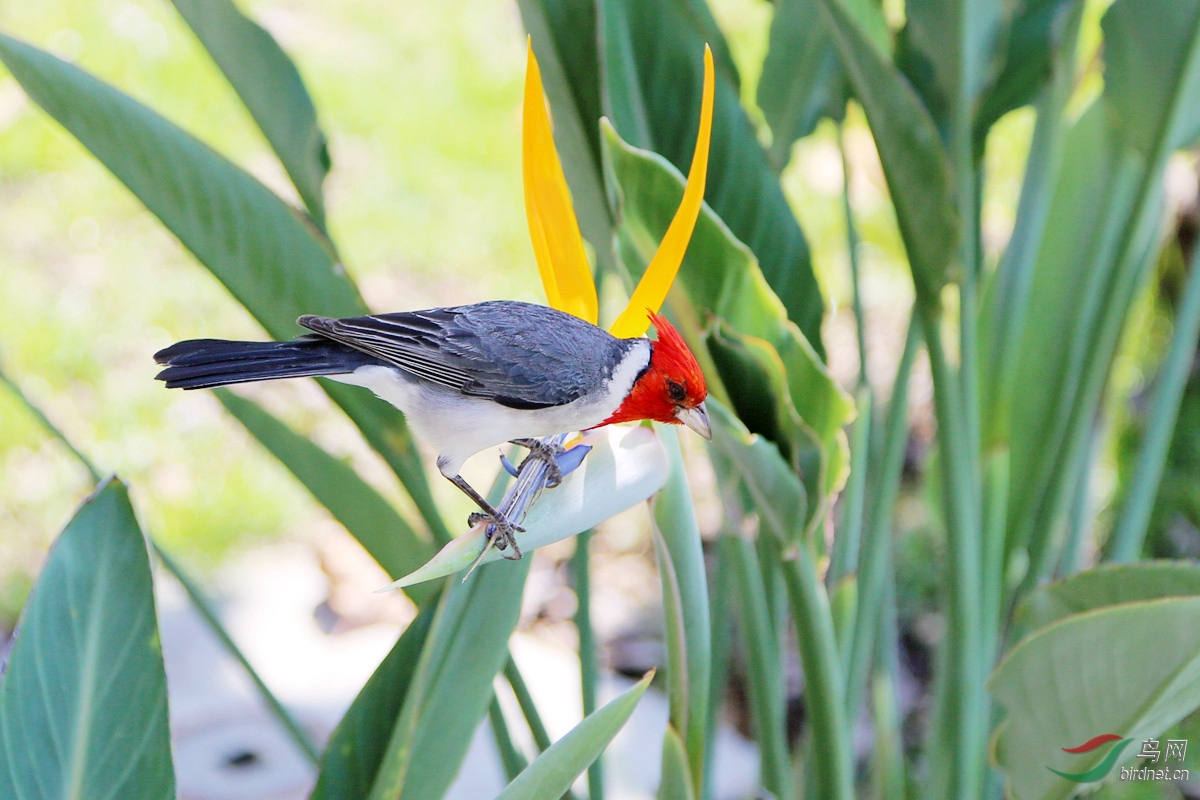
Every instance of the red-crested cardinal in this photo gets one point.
(472, 377)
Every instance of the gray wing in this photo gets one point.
(518, 354)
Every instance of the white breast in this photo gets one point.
(461, 426)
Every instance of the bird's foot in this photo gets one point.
(500, 532)
(547, 453)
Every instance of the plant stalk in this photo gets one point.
(831, 748)
(588, 669)
(965, 697)
(874, 573)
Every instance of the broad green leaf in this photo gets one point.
(914, 161)
(675, 782)
(357, 746)
(652, 68)
(947, 49)
(625, 467)
(1005, 304)
(1152, 75)
(249, 239)
(451, 688)
(83, 703)
(680, 552)
(268, 83)
(1108, 585)
(721, 276)
(552, 773)
(1067, 683)
(370, 519)
(1090, 187)
(777, 492)
(1033, 35)
(759, 385)
(802, 81)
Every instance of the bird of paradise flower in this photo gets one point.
(627, 466)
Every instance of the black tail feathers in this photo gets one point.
(203, 363)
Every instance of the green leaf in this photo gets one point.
(268, 83)
(1067, 683)
(676, 638)
(552, 773)
(756, 361)
(1032, 38)
(1090, 187)
(947, 49)
(777, 492)
(914, 161)
(83, 703)
(452, 686)
(356, 749)
(1108, 585)
(625, 467)
(676, 782)
(721, 276)
(802, 81)
(757, 386)
(1152, 82)
(652, 68)
(370, 519)
(1003, 314)
(249, 239)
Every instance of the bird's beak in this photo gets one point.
(696, 419)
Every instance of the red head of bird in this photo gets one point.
(672, 387)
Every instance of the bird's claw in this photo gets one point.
(500, 532)
(547, 453)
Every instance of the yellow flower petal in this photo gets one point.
(552, 224)
(652, 289)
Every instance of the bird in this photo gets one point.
(474, 376)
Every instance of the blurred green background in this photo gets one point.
(421, 104)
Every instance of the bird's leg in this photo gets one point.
(500, 528)
(547, 453)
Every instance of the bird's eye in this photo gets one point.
(676, 391)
